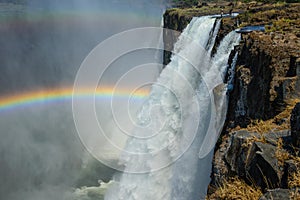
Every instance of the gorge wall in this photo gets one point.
(256, 148)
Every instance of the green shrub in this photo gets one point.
(186, 2)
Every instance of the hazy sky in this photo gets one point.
(42, 46)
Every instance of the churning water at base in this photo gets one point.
(184, 113)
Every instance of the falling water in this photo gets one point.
(177, 120)
(231, 72)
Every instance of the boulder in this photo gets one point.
(227, 160)
(277, 194)
(272, 138)
(295, 126)
(238, 151)
(254, 161)
(262, 167)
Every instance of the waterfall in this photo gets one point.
(214, 33)
(219, 60)
(186, 105)
(231, 73)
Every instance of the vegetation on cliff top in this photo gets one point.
(185, 3)
(13, 1)
(190, 3)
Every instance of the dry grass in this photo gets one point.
(281, 154)
(261, 126)
(294, 180)
(286, 114)
(191, 12)
(282, 25)
(264, 127)
(281, 15)
(271, 125)
(295, 195)
(236, 189)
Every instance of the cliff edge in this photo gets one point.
(257, 155)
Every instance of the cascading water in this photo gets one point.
(177, 120)
(231, 72)
(219, 60)
(214, 33)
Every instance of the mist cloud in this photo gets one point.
(42, 46)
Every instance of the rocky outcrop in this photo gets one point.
(268, 65)
(263, 167)
(267, 77)
(252, 157)
(173, 20)
(250, 97)
(278, 194)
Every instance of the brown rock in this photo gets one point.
(295, 126)
(277, 194)
(263, 168)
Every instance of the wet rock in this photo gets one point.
(241, 109)
(220, 170)
(272, 67)
(251, 96)
(277, 194)
(172, 21)
(295, 126)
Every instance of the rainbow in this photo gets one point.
(69, 18)
(32, 98)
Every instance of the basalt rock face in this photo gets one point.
(295, 125)
(267, 77)
(268, 66)
(250, 98)
(251, 157)
(279, 194)
(173, 21)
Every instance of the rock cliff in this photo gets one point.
(260, 141)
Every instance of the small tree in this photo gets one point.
(186, 2)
